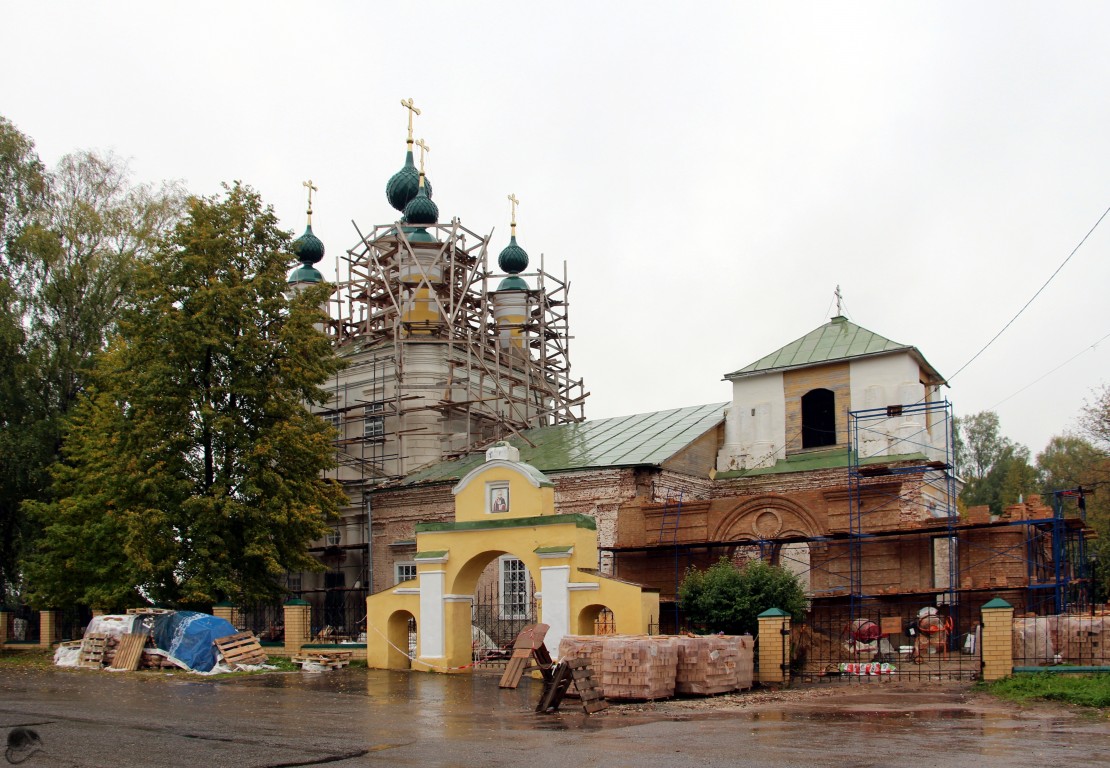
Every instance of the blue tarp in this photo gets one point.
(188, 637)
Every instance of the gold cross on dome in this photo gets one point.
(311, 188)
(423, 148)
(407, 104)
(514, 203)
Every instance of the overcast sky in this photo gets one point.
(710, 172)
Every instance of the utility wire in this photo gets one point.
(1046, 375)
(1035, 295)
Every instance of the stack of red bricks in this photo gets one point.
(706, 664)
(639, 667)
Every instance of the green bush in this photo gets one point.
(728, 599)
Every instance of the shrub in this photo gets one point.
(728, 599)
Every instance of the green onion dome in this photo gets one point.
(306, 274)
(513, 283)
(421, 211)
(308, 248)
(403, 186)
(513, 259)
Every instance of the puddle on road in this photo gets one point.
(462, 701)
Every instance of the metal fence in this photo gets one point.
(1063, 642)
(265, 620)
(23, 625)
(495, 625)
(338, 615)
(903, 639)
(71, 623)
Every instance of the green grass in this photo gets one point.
(1082, 689)
(31, 657)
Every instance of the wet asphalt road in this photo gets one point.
(360, 718)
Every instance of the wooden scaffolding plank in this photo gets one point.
(130, 652)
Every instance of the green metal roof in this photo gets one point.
(623, 441)
(839, 339)
(833, 458)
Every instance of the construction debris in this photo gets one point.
(240, 650)
(319, 661)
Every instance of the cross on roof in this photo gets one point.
(515, 203)
(311, 188)
(407, 104)
(423, 148)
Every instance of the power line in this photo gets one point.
(1035, 295)
(1046, 375)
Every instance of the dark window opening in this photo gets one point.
(818, 418)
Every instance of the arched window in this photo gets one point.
(818, 418)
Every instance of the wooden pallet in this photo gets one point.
(575, 672)
(326, 659)
(130, 652)
(241, 649)
(93, 648)
(527, 647)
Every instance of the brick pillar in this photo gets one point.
(298, 625)
(224, 611)
(5, 626)
(774, 647)
(48, 628)
(998, 639)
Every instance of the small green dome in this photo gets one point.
(306, 274)
(421, 210)
(308, 248)
(513, 283)
(419, 235)
(513, 259)
(403, 185)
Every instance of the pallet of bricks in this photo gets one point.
(643, 667)
(637, 667)
(714, 664)
(1082, 640)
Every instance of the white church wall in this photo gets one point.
(878, 382)
(755, 426)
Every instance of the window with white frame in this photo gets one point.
(516, 588)
(333, 538)
(333, 419)
(293, 583)
(404, 571)
(374, 424)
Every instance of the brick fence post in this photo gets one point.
(5, 626)
(298, 625)
(998, 639)
(774, 647)
(224, 611)
(48, 628)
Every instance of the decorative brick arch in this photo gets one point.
(765, 517)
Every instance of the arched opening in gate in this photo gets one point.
(503, 603)
(596, 619)
(401, 631)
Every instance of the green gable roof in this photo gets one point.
(839, 339)
(623, 441)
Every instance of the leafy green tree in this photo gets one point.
(23, 452)
(726, 598)
(1095, 419)
(1070, 462)
(70, 241)
(995, 470)
(192, 472)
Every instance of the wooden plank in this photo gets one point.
(528, 644)
(130, 652)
